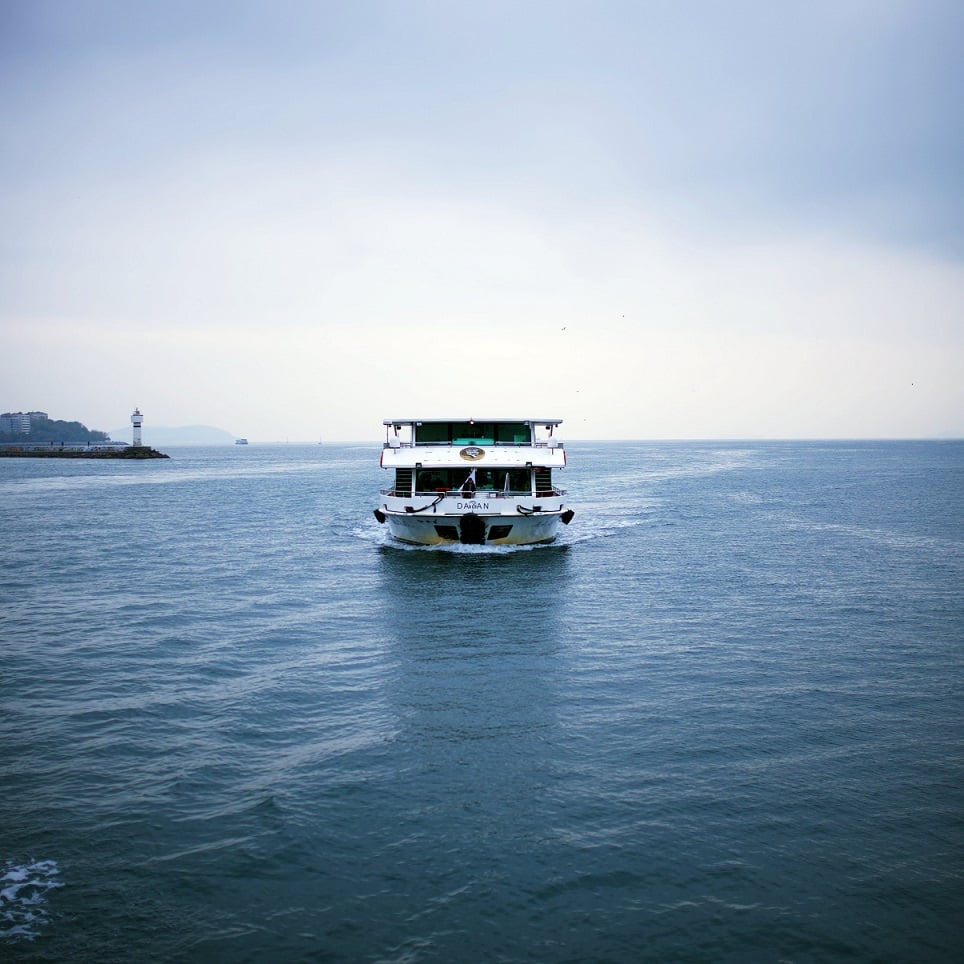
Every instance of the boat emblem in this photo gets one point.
(472, 453)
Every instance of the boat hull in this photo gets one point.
(471, 528)
(481, 519)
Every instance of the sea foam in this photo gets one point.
(23, 897)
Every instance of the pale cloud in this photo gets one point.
(625, 329)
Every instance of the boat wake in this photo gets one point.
(23, 898)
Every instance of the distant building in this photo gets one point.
(20, 421)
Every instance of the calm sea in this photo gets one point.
(722, 719)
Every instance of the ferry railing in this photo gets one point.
(478, 494)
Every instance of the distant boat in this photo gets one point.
(472, 481)
(240, 441)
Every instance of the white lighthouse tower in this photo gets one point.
(136, 420)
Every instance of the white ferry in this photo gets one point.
(475, 481)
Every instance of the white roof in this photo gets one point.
(500, 421)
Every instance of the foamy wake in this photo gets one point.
(23, 898)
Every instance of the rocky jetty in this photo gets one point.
(79, 452)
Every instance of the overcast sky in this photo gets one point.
(650, 219)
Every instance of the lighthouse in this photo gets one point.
(136, 420)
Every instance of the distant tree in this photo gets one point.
(55, 430)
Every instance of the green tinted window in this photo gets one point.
(468, 433)
(432, 432)
(513, 433)
(473, 433)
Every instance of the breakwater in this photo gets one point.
(79, 452)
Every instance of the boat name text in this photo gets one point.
(484, 506)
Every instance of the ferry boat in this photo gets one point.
(473, 481)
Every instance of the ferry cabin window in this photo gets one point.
(502, 480)
(431, 433)
(513, 433)
(428, 480)
(486, 480)
(472, 433)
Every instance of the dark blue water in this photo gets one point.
(721, 720)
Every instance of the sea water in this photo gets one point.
(721, 719)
